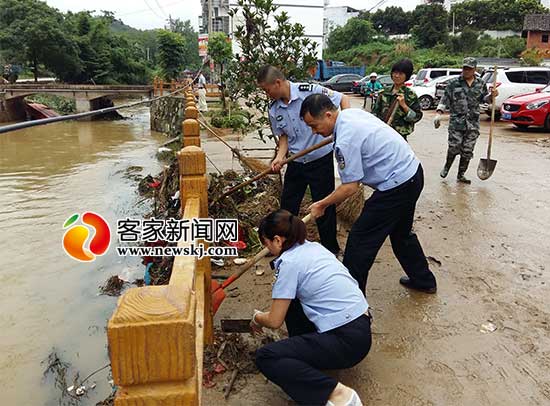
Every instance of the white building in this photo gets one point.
(336, 17)
(309, 13)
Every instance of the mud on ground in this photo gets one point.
(484, 338)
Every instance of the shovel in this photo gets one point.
(487, 166)
(218, 293)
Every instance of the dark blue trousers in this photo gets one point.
(295, 363)
(389, 213)
(319, 176)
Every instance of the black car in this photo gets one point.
(341, 83)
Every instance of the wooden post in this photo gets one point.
(172, 86)
(161, 85)
(194, 184)
(191, 129)
(155, 84)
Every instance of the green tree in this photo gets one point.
(494, 14)
(430, 25)
(357, 31)
(466, 42)
(284, 45)
(171, 54)
(392, 20)
(192, 58)
(219, 49)
(32, 34)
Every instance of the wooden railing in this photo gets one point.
(157, 333)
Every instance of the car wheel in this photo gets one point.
(425, 102)
(524, 126)
(547, 122)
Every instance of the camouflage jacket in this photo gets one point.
(463, 102)
(402, 122)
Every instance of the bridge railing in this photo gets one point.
(157, 333)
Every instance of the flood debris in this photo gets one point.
(113, 286)
(231, 352)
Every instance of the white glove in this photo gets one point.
(437, 121)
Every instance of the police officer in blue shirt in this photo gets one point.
(371, 152)
(315, 169)
(335, 330)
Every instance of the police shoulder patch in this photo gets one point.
(327, 92)
(340, 158)
(305, 87)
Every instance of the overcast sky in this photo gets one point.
(146, 14)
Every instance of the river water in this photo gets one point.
(47, 300)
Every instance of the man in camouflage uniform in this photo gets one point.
(462, 97)
(408, 111)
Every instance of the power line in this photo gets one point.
(153, 11)
(160, 8)
(145, 9)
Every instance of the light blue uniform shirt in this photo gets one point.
(285, 119)
(370, 151)
(329, 295)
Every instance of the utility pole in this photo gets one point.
(453, 23)
(209, 17)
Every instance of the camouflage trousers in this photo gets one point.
(463, 142)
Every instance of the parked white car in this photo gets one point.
(426, 92)
(425, 76)
(514, 81)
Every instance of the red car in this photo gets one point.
(531, 109)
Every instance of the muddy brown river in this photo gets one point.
(47, 300)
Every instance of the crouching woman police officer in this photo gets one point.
(335, 324)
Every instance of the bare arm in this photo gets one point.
(345, 103)
(275, 317)
(341, 193)
(281, 153)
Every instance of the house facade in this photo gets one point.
(536, 28)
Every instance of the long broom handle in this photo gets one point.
(291, 158)
(392, 110)
(492, 114)
(211, 131)
(252, 262)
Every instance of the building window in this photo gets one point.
(545, 38)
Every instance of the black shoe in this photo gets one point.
(462, 179)
(405, 281)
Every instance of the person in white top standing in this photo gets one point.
(202, 106)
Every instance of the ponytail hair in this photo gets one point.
(284, 224)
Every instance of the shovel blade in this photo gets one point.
(218, 296)
(486, 168)
(236, 325)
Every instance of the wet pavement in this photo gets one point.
(484, 338)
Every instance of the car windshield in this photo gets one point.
(546, 89)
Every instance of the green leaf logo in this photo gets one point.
(70, 220)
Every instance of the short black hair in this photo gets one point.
(404, 66)
(268, 74)
(316, 104)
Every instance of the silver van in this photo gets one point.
(427, 75)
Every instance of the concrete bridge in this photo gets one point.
(87, 97)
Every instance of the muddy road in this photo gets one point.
(484, 339)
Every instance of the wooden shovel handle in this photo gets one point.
(492, 114)
(252, 262)
(266, 172)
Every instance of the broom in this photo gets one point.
(348, 211)
(254, 165)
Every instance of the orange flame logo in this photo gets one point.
(74, 239)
